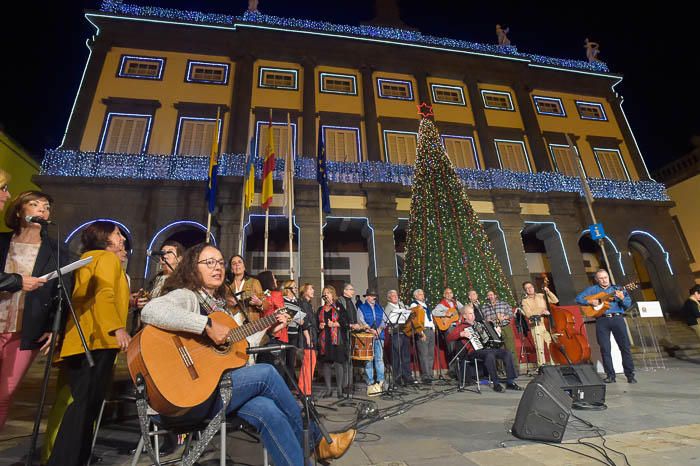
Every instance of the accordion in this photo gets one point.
(487, 335)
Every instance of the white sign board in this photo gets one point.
(649, 309)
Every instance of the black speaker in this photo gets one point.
(543, 412)
(580, 381)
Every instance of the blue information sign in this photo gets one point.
(597, 231)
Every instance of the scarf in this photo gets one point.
(334, 330)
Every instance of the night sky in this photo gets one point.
(656, 53)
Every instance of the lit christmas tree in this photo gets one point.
(446, 246)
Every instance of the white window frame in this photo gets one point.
(122, 67)
(619, 155)
(108, 123)
(477, 165)
(262, 126)
(510, 141)
(292, 71)
(386, 132)
(511, 107)
(190, 72)
(539, 98)
(336, 75)
(434, 87)
(556, 165)
(180, 123)
(344, 128)
(396, 81)
(593, 104)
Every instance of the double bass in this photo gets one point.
(566, 339)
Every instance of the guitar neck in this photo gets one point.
(240, 333)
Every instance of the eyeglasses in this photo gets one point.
(4, 188)
(212, 263)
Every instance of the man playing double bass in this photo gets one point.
(612, 321)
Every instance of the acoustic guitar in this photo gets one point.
(443, 323)
(605, 299)
(181, 370)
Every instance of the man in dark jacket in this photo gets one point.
(691, 309)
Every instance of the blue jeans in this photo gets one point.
(261, 398)
(378, 361)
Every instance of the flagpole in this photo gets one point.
(320, 231)
(243, 197)
(588, 196)
(267, 209)
(289, 172)
(216, 135)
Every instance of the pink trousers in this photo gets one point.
(13, 365)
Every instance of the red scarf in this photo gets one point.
(334, 330)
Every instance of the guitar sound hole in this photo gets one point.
(223, 348)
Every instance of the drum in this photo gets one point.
(362, 346)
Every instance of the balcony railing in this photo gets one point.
(193, 168)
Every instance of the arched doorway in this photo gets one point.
(72, 240)
(186, 232)
(653, 266)
(277, 245)
(593, 257)
(348, 253)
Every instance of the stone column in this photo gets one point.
(383, 218)
(306, 212)
(370, 108)
(482, 127)
(532, 128)
(507, 208)
(309, 109)
(241, 98)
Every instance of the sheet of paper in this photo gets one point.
(68, 268)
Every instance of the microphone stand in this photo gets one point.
(392, 390)
(56, 326)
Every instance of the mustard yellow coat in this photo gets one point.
(101, 303)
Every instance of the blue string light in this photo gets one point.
(375, 32)
(192, 168)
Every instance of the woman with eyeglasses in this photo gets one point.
(289, 294)
(310, 335)
(259, 394)
(26, 307)
(101, 303)
(333, 325)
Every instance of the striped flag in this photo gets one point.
(249, 182)
(213, 167)
(268, 170)
(321, 175)
(288, 182)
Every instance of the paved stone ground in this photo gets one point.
(655, 422)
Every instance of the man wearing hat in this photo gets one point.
(372, 313)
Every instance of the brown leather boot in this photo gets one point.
(332, 451)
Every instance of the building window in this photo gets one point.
(141, 67)
(278, 78)
(461, 151)
(280, 134)
(395, 89)
(125, 133)
(338, 83)
(342, 144)
(497, 100)
(451, 95)
(591, 111)
(207, 72)
(400, 147)
(549, 106)
(513, 156)
(564, 159)
(611, 164)
(195, 136)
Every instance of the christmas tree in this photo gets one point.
(446, 246)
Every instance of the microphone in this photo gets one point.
(268, 349)
(37, 219)
(155, 253)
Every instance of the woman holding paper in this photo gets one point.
(101, 302)
(25, 312)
